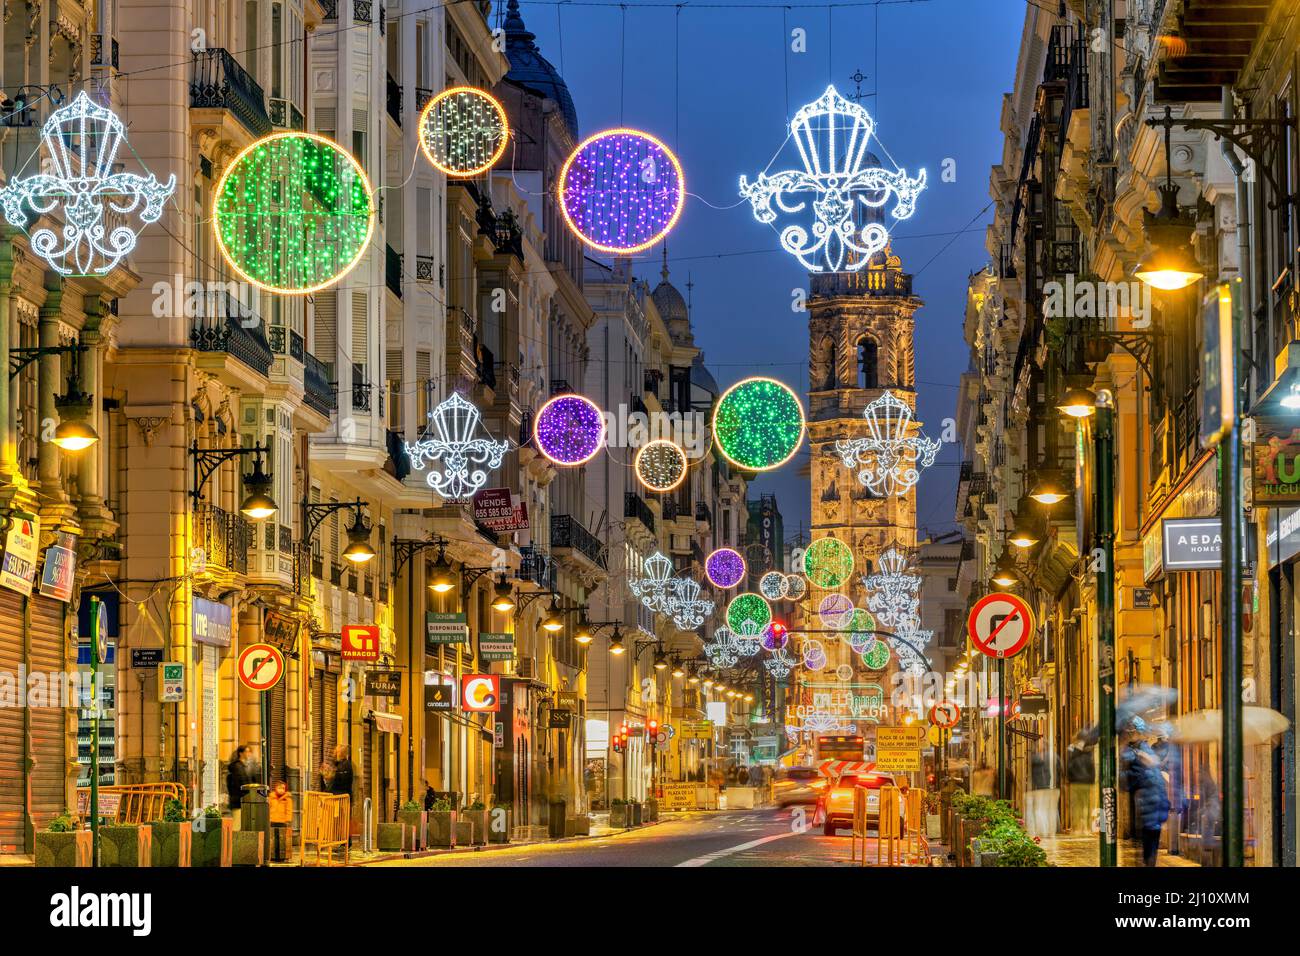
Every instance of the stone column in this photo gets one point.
(56, 508)
(96, 520)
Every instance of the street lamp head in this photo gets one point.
(583, 634)
(442, 578)
(1006, 574)
(503, 596)
(1078, 402)
(358, 550)
(74, 436)
(1169, 263)
(660, 659)
(1023, 536)
(1048, 489)
(678, 671)
(74, 432)
(554, 620)
(258, 503)
(616, 646)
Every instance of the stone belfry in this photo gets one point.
(860, 334)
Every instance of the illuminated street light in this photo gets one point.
(1078, 402)
(503, 599)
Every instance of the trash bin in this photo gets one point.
(255, 814)
(555, 822)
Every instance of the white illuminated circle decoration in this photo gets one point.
(451, 439)
(832, 136)
(660, 465)
(81, 142)
(890, 459)
(773, 586)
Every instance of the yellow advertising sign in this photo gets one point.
(679, 796)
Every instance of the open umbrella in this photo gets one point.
(1259, 725)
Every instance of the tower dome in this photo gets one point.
(672, 307)
(531, 70)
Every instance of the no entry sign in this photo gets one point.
(945, 714)
(1000, 625)
(260, 666)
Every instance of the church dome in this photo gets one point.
(531, 70)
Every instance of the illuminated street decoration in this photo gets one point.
(832, 135)
(720, 651)
(748, 608)
(451, 438)
(293, 213)
(890, 459)
(772, 586)
(748, 640)
(758, 424)
(660, 465)
(684, 603)
(655, 589)
(80, 186)
(828, 563)
(569, 429)
(464, 131)
(876, 656)
(835, 611)
(621, 191)
(725, 568)
(813, 655)
(779, 664)
(775, 636)
(844, 672)
(795, 587)
(862, 630)
(894, 596)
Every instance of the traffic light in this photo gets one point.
(618, 743)
(652, 730)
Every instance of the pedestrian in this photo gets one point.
(281, 816)
(342, 782)
(430, 798)
(1081, 774)
(983, 780)
(1040, 801)
(236, 777)
(1142, 778)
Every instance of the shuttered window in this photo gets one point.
(276, 759)
(422, 373)
(11, 728)
(331, 694)
(49, 730)
(360, 333)
(317, 727)
(325, 341)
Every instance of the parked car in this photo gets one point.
(835, 806)
(796, 785)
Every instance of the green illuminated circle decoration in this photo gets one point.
(828, 562)
(293, 213)
(749, 609)
(758, 424)
(876, 656)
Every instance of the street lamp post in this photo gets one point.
(1104, 442)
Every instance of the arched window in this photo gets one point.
(829, 359)
(868, 363)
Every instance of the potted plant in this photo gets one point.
(122, 844)
(499, 822)
(62, 844)
(618, 813)
(391, 837)
(637, 811)
(476, 814)
(651, 809)
(442, 823)
(933, 819)
(213, 835)
(172, 836)
(414, 817)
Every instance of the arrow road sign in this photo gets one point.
(260, 666)
(1000, 625)
(945, 714)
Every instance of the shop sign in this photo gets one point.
(496, 647)
(1152, 553)
(1218, 385)
(1283, 535)
(559, 719)
(211, 622)
(359, 642)
(1192, 544)
(384, 683)
(60, 568)
(281, 630)
(480, 693)
(1032, 703)
(445, 628)
(171, 682)
(18, 568)
(567, 699)
(500, 511)
(1276, 475)
(439, 691)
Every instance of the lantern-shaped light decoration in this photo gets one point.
(832, 136)
(889, 460)
(748, 640)
(80, 186)
(655, 589)
(688, 609)
(779, 664)
(451, 439)
(720, 651)
(895, 593)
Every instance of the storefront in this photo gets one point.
(212, 638)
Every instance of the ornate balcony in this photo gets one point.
(634, 506)
(569, 536)
(318, 391)
(226, 539)
(218, 82)
(236, 330)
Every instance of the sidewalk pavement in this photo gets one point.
(1069, 849)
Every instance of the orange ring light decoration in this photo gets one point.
(569, 429)
(621, 190)
(758, 424)
(461, 140)
(660, 465)
(279, 239)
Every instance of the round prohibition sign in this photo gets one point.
(260, 666)
(1000, 625)
(945, 714)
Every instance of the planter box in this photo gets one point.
(212, 845)
(652, 810)
(582, 825)
(125, 846)
(417, 824)
(464, 831)
(391, 837)
(442, 828)
(247, 848)
(637, 810)
(620, 815)
(171, 843)
(73, 848)
(500, 820)
(479, 821)
(281, 843)
(933, 826)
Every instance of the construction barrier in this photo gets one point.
(918, 847)
(326, 825)
(859, 831)
(131, 803)
(888, 831)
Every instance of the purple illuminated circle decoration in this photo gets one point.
(724, 568)
(836, 611)
(775, 635)
(569, 429)
(621, 190)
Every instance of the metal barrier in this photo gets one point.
(859, 831)
(132, 803)
(367, 826)
(888, 832)
(326, 825)
(918, 846)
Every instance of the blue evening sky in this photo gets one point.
(712, 84)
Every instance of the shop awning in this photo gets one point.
(387, 723)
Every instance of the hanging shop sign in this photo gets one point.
(260, 666)
(439, 691)
(480, 693)
(281, 630)
(1192, 544)
(359, 642)
(60, 568)
(441, 627)
(500, 511)
(1000, 625)
(18, 567)
(1032, 703)
(496, 647)
(559, 719)
(1276, 475)
(567, 699)
(384, 683)
(171, 682)
(211, 620)
(1218, 385)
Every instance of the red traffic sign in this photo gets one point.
(1000, 625)
(260, 666)
(359, 642)
(945, 714)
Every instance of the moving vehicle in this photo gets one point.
(840, 747)
(835, 805)
(796, 785)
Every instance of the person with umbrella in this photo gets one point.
(1141, 776)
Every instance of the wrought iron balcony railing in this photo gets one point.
(226, 538)
(634, 506)
(394, 100)
(318, 393)
(568, 532)
(393, 270)
(217, 81)
(234, 329)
